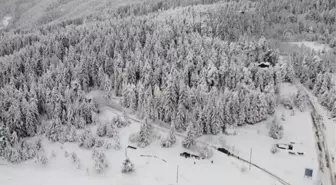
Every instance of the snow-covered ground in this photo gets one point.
(5, 22)
(148, 171)
(297, 129)
(329, 135)
(153, 171)
(312, 45)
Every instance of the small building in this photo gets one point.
(308, 173)
(185, 154)
(264, 65)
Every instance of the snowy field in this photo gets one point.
(153, 171)
(5, 22)
(61, 170)
(312, 45)
(148, 171)
(298, 129)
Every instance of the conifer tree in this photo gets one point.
(190, 141)
(145, 134)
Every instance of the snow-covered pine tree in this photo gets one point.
(276, 130)
(126, 118)
(72, 134)
(301, 99)
(133, 98)
(333, 111)
(241, 114)
(170, 139)
(86, 139)
(318, 84)
(145, 134)
(108, 87)
(101, 129)
(271, 101)
(111, 130)
(324, 85)
(170, 98)
(53, 132)
(227, 113)
(127, 166)
(126, 96)
(283, 117)
(181, 118)
(190, 141)
(263, 111)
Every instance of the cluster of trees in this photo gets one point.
(14, 149)
(195, 67)
(317, 72)
(168, 70)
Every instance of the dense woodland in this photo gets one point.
(193, 66)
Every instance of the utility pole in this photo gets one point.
(131, 147)
(177, 174)
(250, 158)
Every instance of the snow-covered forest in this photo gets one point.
(193, 65)
(192, 69)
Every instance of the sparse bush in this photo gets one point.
(127, 166)
(63, 135)
(42, 159)
(74, 157)
(286, 102)
(101, 130)
(300, 100)
(169, 140)
(107, 145)
(66, 154)
(78, 164)
(293, 112)
(110, 130)
(205, 152)
(71, 135)
(28, 150)
(86, 139)
(54, 130)
(117, 144)
(12, 155)
(274, 149)
(119, 122)
(99, 143)
(283, 117)
(53, 154)
(100, 161)
(38, 144)
(134, 138)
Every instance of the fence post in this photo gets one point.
(177, 174)
(250, 158)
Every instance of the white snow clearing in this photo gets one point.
(148, 171)
(312, 45)
(286, 164)
(5, 22)
(328, 133)
(155, 171)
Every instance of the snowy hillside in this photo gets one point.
(61, 169)
(167, 92)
